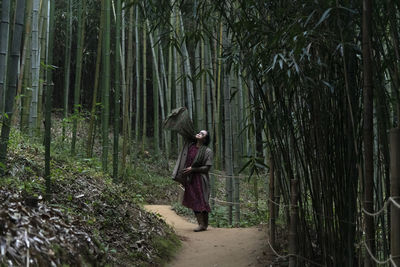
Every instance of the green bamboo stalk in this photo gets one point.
(209, 85)
(117, 87)
(217, 101)
(106, 84)
(187, 68)
(197, 90)
(170, 75)
(126, 93)
(157, 73)
(48, 104)
(137, 49)
(4, 33)
(35, 60)
(144, 87)
(368, 130)
(23, 90)
(242, 116)
(178, 73)
(156, 97)
(26, 89)
(78, 71)
(89, 147)
(203, 117)
(43, 58)
(228, 146)
(12, 78)
(67, 63)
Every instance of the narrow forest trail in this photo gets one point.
(216, 247)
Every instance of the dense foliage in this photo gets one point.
(301, 91)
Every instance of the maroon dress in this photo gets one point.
(193, 197)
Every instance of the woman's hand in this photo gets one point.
(187, 171)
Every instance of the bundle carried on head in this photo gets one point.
(179, 120)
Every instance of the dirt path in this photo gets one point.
(216, 247)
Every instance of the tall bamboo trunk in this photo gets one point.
(35, 60)
(228, 135)
(137, 50)
(156, 97)
(157, 72)
(271, 196)
(67, 63)
(217, 101)
(4, 34)
(43, 58)
(12, 78)
(26, 85)
(78, 71)
(89, 147)
(169, 82)
(368, 130)
(106, 84)
(144, 130)
(23, 90)
(197, 90)
(126, 94)
(117, 87)
(187, 68)
(203, 118)
(178, 73)
(164, 95)
(48, 104)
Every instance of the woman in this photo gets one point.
(192, 166)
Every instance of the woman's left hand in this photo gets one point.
(187, 171)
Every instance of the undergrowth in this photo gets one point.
(111, 212)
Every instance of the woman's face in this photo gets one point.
(201, 135)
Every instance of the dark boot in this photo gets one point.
(205, 216)
(200, 220)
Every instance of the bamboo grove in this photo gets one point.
(302, 91)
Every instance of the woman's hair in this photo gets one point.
(207, 139)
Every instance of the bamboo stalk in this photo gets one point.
(144, 86)
(395, 194)
(4, 33)
(78, 71)
(89, 147)
(294, 209)
(12, 78)
(67, 63)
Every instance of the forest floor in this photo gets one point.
(216, 246)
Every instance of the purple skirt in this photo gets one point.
(193, 197)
